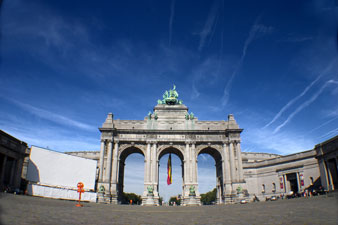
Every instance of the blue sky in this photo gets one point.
(273, 64)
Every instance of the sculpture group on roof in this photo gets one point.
(170, 98)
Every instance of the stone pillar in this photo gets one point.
(115, 163)
(18, 172)
(115, 173)
(154, 171)
(298, 182)
(194, 163)
(232, 162)
(107, 182)
(186, 164)
(12, 176)
(240, 165)
(186, 174)
(2, 175)
(195, 172)
(109, 161)
(101, 160)
(148, 162)
(226, 170)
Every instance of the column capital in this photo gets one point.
(187, 142)
(116, 141)
(225, 142)
(193, 142)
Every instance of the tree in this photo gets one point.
(208, 197)
(131, 196)
(174, 199)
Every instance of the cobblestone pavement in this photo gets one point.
(18, 209)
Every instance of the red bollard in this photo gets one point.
(80, 190)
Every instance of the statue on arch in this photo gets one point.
(192, 190)
(150, 190)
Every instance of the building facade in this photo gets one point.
(13, 153)
(171, 129)
(327, 156)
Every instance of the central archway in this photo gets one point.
(177, 160)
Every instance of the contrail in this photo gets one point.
(305, 104)
(47, 115)
(172, 14)
(209, 24)
(334, 131)
(327, 122)
(328, 68)
(250, 38)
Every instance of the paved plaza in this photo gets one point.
(18, 209)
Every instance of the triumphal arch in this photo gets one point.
(170, 128)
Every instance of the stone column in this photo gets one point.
(12, 173)
(148, 163)
(186, 164)
(240, 165)
(116, 182)
(186, 173)
(154, 168)
(101, 160)
(232, 162)
(226, 169)
(194, 163)
(2, 175)
(195, 171)
(109, 161)
(115, 163)
(18, 172)
(298, 182)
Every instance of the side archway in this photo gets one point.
(215, 153)
(124, 152)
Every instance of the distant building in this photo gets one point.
(12, 157)
(56, 175)
(327, 156)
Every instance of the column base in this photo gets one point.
(192, 201)
(149, 200)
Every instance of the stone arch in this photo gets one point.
(126, 149)
(215, 152)
(175, 149)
